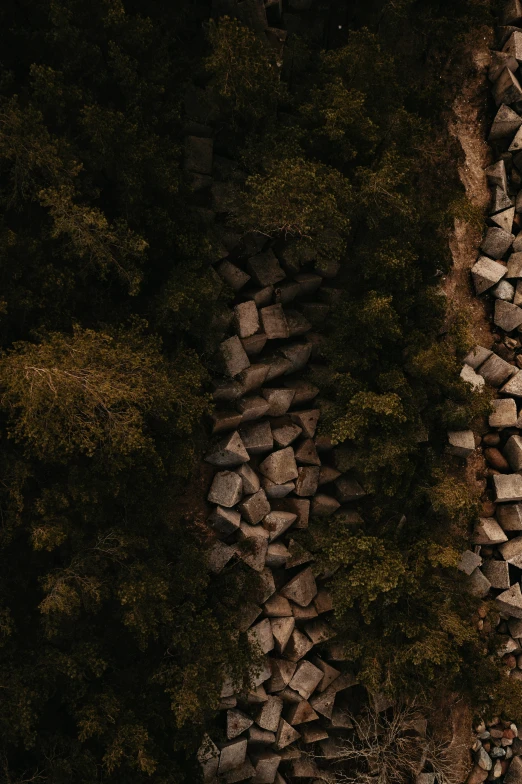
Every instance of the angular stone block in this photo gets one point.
(488, 532)
(244, 772)
(277, 491)
(234, 356)
(282, 629)
(252, 377)
(507, 316)
(266, 766)
(306, 453)
(247, 318)
(307, 613)
(513, 452)
(506, 123)
(298, 506)
(304, 392)
(282, 672)
(504, 413)
(461, 442)
(306, 678)
(318, 631)
(237, 723)
(510, 602)
(301, 713)
(507, 88)
(330, 674)
(508, 487)
(254, 344)
(276, 523)
(478, 585)
(297, 323)
(287, 291)
(262, 737)
(255, 507)
(277, 555)
(307, 421)
(324, 703)
(257, 437)
(328, 474)
(277, 607)
(504, 290)
(265, 269)
(297, 354)
(278, 400)
(514, 385)
(232, 275)
(469, 561)
(496, 370)
(232, 755)
(510, 517)
(486, 273)
(298, 646)
(477, 356)
(307, 480)
(496, 174)
(274, 322)
(497, 572)
(255, 546)
(250, 479)
(219, 554)
(323, 602)
(285, 735)
(511, 550)
(226, 489)
(468, 375)
(511, 13)
(270, 713)
(301, 589)
(280, 467)
(229, 452)
(260, 636)
(224, 521)
(208, 758)
(286, 435)
(278, 366)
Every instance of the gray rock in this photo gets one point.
(507, 316)
(304, 392)
(511, 550)
(507, 88)
(277, 522)
(301, 589)
(504, 290)
(250, 479)
(280, 467)
(469, 561)
(508, 487)
(277, 491)
(504, 413)
(234, 356)
(514, 774)
(279, 400)
(483, 759)
(219, 554)
(510, 602)
(274, 322)
(255, 546)
(232, 755)
(506, 123)
(510, 517)
(252, 377)
(255, 507)
(468, 375)
(226, 489)
(499, 61)
(307, 480)
(298, 646)
(496, 175)
(198, 154)
(513, 47)
(257, 437)
(306, 678)
(277, 555)
(477, 356)
(253, 407)
(496, 243)
(497, 572)
(260, 637)
(500, 201)
(282, 628)
(265, 269)
(487, 531)
(286, 434)
(224, 521)
(244, 772)
(285, 735)
(496, 370)
(478, 585)
(270, 713)
(229, 452)
(504, 220)
(514, 385)
(307, 421)
(227, 391)
(247, 318)
(237, 723)
(461, 442)
(513, 452)
(266, 765)
(511, 12)
(306, 453)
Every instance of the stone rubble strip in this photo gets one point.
(493, 564)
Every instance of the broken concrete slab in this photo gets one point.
(504, 413)
(469, 561)
(280, 466)
(247, 318)
(307, 480)
(461, 443)
(301, 589)
(265, 269)
(229, 452)
(234, 356)
(496, 370)
(510, 602)
(497, 572)
(510, 517)
(257, 437)
(477, 356)
(487, 531)
(255, 507)
(224, 521)
(486, 273)
(507, 316)
(226, 489)
(508, 487)
(277, 522)
(506, 123)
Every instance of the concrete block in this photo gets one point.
(226, 489)
(260, 737)
(504, 413)
(301, 713)
(306, 678)
(270, 713)
(232, 275)
(298, 646)
(237, 723)
(513, 452)
(218, 555)
(282, 629)
(254, 344)
(229, 452)
(506, 123)
(244, 772)
(307, 480)
(328, 474)
(510, 517)
(276, 523)
(257, 437)
(252, 377)
(488, 532)
(297, 354)
(468, 375)
(477, 356)
(285, 735)
(486, 273)
(508, 487)
(277, 555)
(507, 88)
(298, 506)
(260, 637)
(246, 318)
(225, 420)
(278, 400)
(497, 572)
(232, 755)
(507, 316)
(274, 322)
(496, 370)
(348, 489)
(301, 589)
(469, 561)
(318, 631)
(282, 672)
(514, 385)
(280, 466)
(277, 491)
(265, 269)
(307, 421)
(510, 602)
(461, 442)
(234, 356)
(304, 392)
(224, 521)
(266, 768)
(512, 550)
(255, 507)
(306, 453)
(298, 324)
(286, 434)
(208, 758)
(250, 479)
(277, 607)
(287, 291)
(278, 366)
(478, 585)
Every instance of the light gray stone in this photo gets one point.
(507, 88)
(495, 245)
(250, 479)
(511, 550)
(306, 678)
(348, 489)
(514, 385)
(478, 585)
(280, 466)
(277, 491)
(286, 291)
(298, 646)
(301, 589)
(496, 174)
(266, 766)
(257, 437)
(270, 713)
(229, 452)
(497, 572)
(324, 505)
(278, 400)
(277, 522)
(255, 507)
(232, 755)
(274, 322)
(487, 531)
(477, 356)
(513, 452)
(510, 517)
(506, 123)
(247, 318)
(307, 480)
(224, 521)
(504, 413)
(226, 489)
(510, 602)
(234, 356)
(507, 316)
(508, 487)
(496, 370)
(500, 201)
(461, 442)
(265, 269)
(469, 562)
(286, 434)
(504, 291)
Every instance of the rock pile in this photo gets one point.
(494, 565)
